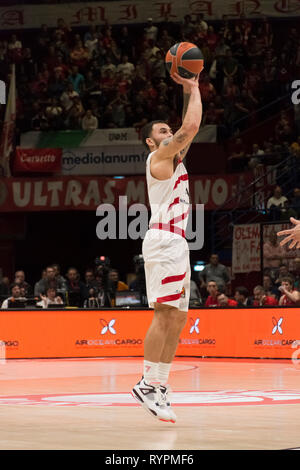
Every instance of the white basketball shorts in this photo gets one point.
(167, 269)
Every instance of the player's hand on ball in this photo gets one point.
(187, 83)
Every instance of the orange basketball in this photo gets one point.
(184, 58)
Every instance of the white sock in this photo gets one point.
(151, 372)
(163, 372)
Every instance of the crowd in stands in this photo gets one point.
(109, 76)
(101, 284)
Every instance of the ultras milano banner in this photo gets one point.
(244, 333)
(88, 192)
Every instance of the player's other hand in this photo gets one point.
(187, 83)
(292, 235)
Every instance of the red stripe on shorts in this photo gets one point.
(169, 228)
(167, 298)
(179, 277)
(181, 178)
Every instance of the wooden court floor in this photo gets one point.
(85, 404)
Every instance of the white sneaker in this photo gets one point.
(165, 392)
(150, 397)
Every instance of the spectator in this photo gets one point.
(214, 271)
(90, 280)
(77, 80)
(213, 290)
(76, 290)
(126, 67)
(290, 295)
(114, 282)
(92, 301)
(20, 281)
(15, 295)
(283, 271)
(49, 280)
(60, 279)
(151, 30)
(89, 121)
(276, 204)
(261, 299)
(270, 289)
(242, 298)
(195, 296)
(295, 201)
(296, 273)
(224, 301)
(67, 97)
(51, 298)
(273, 253)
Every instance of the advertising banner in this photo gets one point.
(239, 333)
(86, 193)
(99, 138)
(38, 160)
(118, 12)
(246, 255)
(106, 160)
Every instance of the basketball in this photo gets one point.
(184, 58)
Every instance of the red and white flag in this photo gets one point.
(7, 138)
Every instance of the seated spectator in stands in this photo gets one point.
(67, 97)
(90, 280)
(76, 292)
(15, 295)
(77, 80)
(4, 290)
(273, 253)
(296, 273)
(79, 55)
(295, 201)
(89, 121)
(290, 295)
(242, 298)
(276, 204)
(214, 271)
(51, 297)
(261, 299)
(114, 282)
(212, 299)
(49, 280)
(230, 68)
(54, 114)
(225, 301)
(255, 157)
(283, 271)
(195, 296)
(20, 280)
(126, 67)
(270, 289)
(213, 115)
(93, 300)
(59, 278)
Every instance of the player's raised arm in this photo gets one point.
(173, 145)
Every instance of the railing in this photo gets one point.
(248, 205)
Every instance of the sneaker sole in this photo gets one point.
(148, 409)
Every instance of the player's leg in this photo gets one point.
(147, 391)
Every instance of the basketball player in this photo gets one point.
(165, 249)
(293, 234)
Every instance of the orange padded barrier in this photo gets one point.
(267, 333)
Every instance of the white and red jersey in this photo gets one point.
(169, 200)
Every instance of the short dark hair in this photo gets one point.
(147, 129)
(288, 279)
(242, 291)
